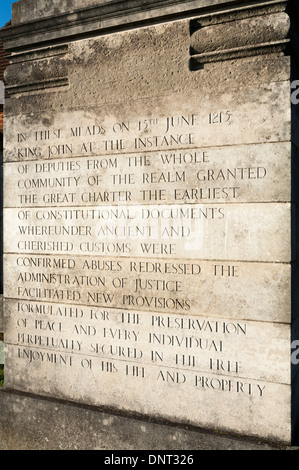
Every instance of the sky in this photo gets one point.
(5, 11)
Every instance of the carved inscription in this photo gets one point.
(214, 175)
(165, 285)
(127, 342)
(124, 239)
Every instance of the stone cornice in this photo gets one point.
(40, 55)
(110, 16)
(39, 69)
(242, 32)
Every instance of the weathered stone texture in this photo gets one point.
(149, 211)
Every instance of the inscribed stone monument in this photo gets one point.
(150, 210)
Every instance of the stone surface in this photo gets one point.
(250, 291)
(173, 232)
(248, 173)
(176, 337)
(56, 427)
(149, 213)
(238, 117)
(102, 15)
(24, 11)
